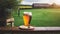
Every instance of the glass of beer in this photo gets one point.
(27, 18)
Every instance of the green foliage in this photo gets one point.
(6, 7)
(8, 3)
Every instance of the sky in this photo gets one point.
(30, 2)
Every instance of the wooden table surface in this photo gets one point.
(35, 29)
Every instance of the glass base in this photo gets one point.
(26, 27)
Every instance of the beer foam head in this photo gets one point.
(28, 13)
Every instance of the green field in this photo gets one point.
(40, 17)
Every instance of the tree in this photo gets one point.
(6, 7)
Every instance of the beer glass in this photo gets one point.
(27, 18)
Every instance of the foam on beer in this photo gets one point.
(28, 13)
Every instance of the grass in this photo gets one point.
(40, 17)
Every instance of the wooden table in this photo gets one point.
(37, 30)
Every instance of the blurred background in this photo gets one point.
(44, 12)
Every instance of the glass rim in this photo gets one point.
(29, 13)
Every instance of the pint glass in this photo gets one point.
(27, 18)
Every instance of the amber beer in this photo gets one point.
(27, 18)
